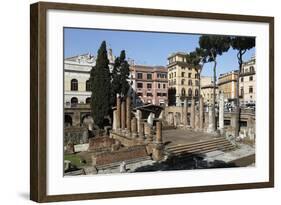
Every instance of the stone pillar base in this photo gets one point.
(158, 152)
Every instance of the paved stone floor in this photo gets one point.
(181, 136)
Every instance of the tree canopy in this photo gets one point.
(214, 45)
(242, 44)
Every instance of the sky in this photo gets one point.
(146, 48)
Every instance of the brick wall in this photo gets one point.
(97, 143)
(120, 155)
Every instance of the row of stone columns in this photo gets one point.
(133, 126)
(196, 117)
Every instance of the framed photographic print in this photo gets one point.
(135, 102)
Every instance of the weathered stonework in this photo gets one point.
(128, 114)
(192, 114)
(123, 115)
(119, 156)
(100, 143)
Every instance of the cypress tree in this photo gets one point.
(100, 86)
(119, 77)
(124, 74)
(115, 81)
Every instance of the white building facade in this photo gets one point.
(77, 88)
(247, 82)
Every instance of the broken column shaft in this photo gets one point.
(159, 132)
(123, 115)
(192, 113)
(128, 113)
(118, 113)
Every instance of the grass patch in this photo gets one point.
(75, 159)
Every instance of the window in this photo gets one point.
(139, 94)
(189, 92)
(149, 94)
(183, 92)
(242, 91)
(88, 100)
(243, 123)
(196, 92)
(139, 75)
(227, 122)
(189, 75)
(182, 74)
(164, 94)
(242, 79)
(175, 75)
(196, 82)
(158, 94)
(251, 89)
(149, 76)
(74, 102)
(88, 85)
(251, 78)
(74, 85)
(160, 75)
(189, 82)
(148, 85)
(139, 85)
(182, 81)
(159, 85)
(164, 86)
(252, 69)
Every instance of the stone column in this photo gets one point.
(123, 115)
(221, 113)
(158, 132)
(134, 127)
(201, 113)
(192, 113)
(76, 119)
(185, 110)
(158, 146)
(139, 117)
(197, 119)
(141, 130)
(114, 124)
(128, 113)
(147, 132)
(211, 120)
(118, 113)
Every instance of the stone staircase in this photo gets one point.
(201, 147)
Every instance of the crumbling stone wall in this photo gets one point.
(77, 135)
(97, 143)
